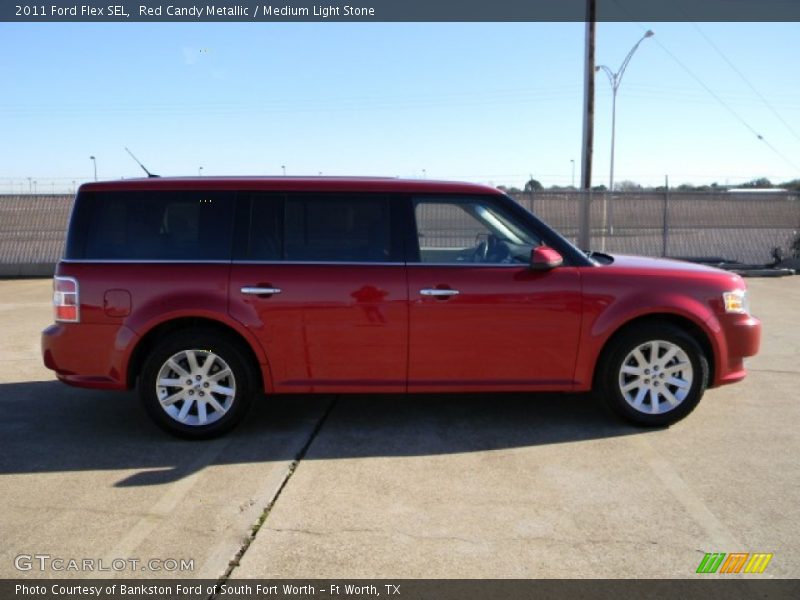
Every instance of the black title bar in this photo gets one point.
(398, 589)
(94, 11)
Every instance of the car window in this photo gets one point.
(159, 225)
(320, 228)
(470, 230)
(265, 241)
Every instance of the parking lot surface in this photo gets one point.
(491, 485)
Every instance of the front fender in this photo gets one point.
(604, 316)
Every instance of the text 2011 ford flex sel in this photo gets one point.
(205, 293)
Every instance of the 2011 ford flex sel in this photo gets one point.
(205, 293)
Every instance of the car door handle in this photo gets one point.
(437, 293)
(261, 291)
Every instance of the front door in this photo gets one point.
(479, 317)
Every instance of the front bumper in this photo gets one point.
(740, 337)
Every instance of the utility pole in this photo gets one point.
(584, 238)
(665, 218)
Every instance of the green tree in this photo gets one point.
(761, 182)
(627, 186)
(794, 185)
(532, 185)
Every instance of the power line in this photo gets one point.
(724, 104)
(747, 81)
(445, 99)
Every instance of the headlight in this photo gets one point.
(736, 302)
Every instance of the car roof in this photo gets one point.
(292, 184)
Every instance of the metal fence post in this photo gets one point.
(665, 221)
(584, 234)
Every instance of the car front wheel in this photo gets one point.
(197, 384)
(653, 375)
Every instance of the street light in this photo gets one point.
(615, 79)
(572, 160)
(94, 161)
(200, 171)
(284, 170)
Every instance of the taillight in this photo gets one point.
(65, 299)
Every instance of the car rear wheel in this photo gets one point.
(197, 384)
(653, 375)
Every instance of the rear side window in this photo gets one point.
(161, 225)
(322, 228)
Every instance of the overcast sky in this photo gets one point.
(479, 102)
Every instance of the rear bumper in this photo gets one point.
(87, 355)
(741, 337)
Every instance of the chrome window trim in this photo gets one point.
(141, 261)
(320, 262)
(290, 262)
(467, 264)
(376, 264)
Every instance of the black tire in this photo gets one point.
(232, 405)
(692, 380)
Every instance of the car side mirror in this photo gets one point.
(544, 258)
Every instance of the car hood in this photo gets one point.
(643, 263)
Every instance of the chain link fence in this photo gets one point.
(743, 227)
(734, 226)
(32, 233)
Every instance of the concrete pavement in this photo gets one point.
(514, 486)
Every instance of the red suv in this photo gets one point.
(205, 293)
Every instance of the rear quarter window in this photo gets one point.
(161, 225)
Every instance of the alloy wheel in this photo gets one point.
(195, 387)
(656, 377)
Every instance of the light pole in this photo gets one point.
(94, 161)
(284, 170)
(615, 79)
(200, 171)
(572, 160)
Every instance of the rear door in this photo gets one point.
(479, 317)
(320, 280)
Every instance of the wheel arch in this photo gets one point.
(697, 333)
(156, 333)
